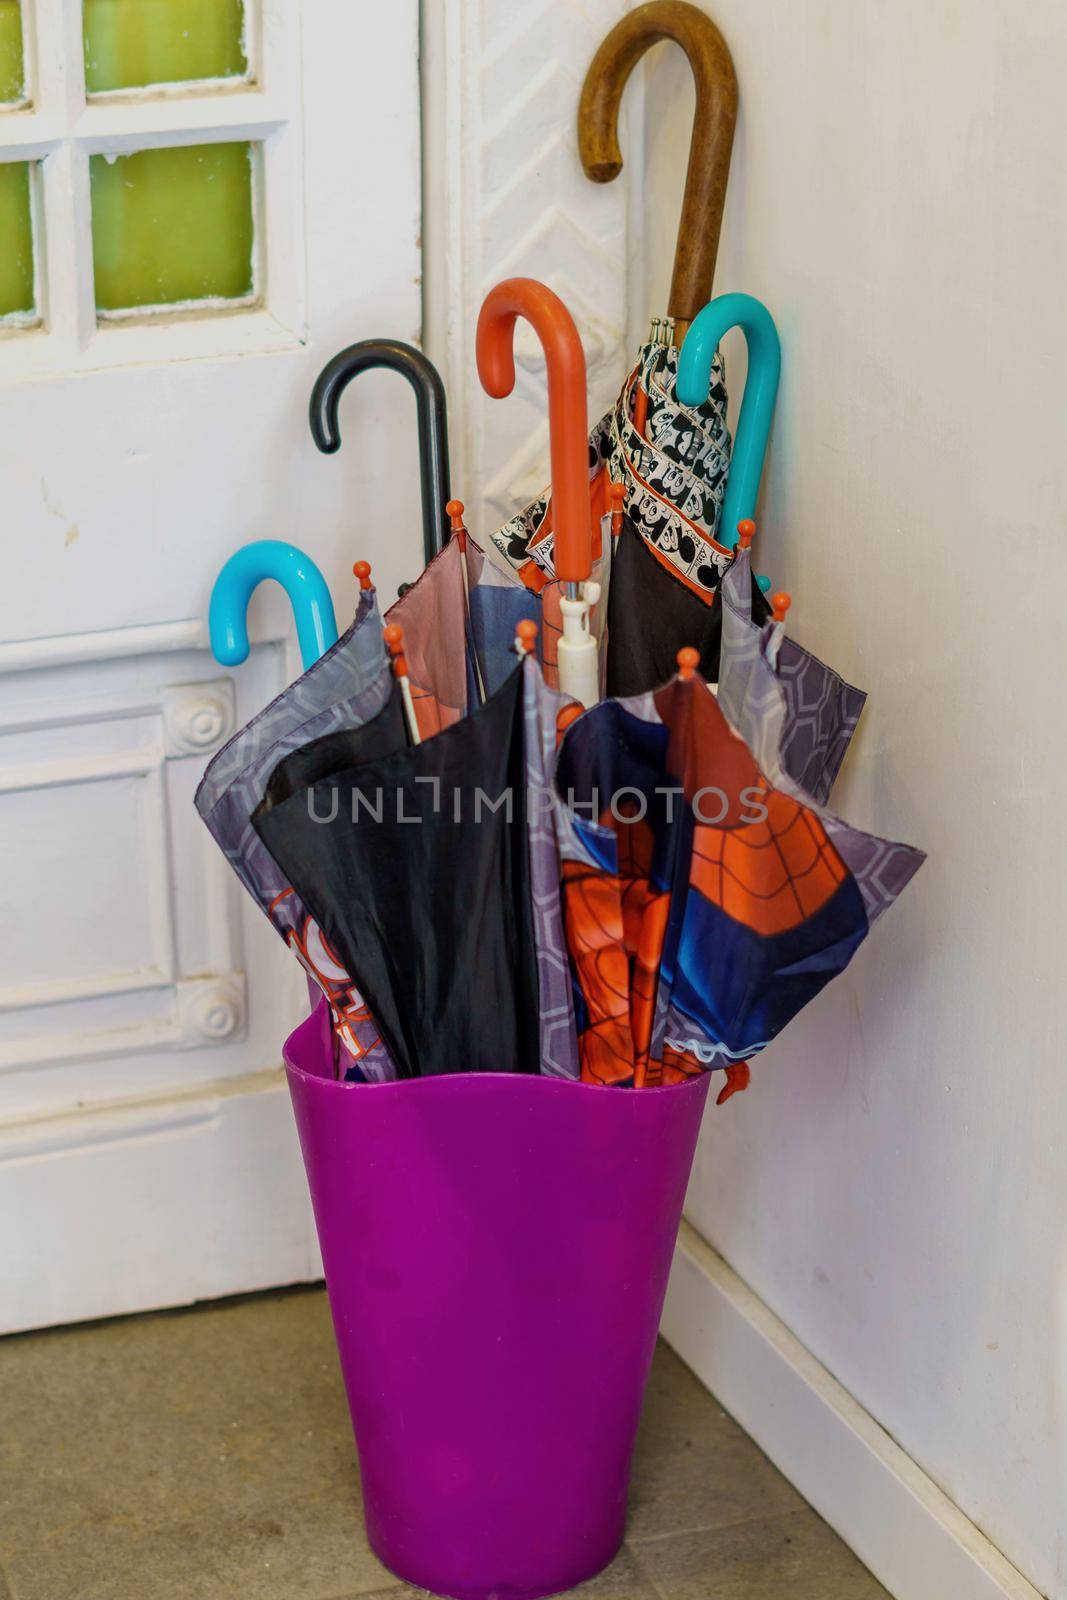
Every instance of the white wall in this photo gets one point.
(894, 1184)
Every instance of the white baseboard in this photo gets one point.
(900, 1524)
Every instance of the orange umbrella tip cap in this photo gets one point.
(568, 715)
(780, 604)
(688, 661)
(362, 572)
(454, 509)
(393, 634)
(746, 532)
(526, 634)
(617, 496)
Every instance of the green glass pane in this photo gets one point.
(12, 71)
(172, 225)
(16, 231)
(130, 43)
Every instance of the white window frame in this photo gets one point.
(60, 129)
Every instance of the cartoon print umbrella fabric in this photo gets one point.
(348, 686)
(711, 905)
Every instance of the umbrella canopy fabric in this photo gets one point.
(796, 714)
(558, 1032)
(415, 865)
(652, 615)
(663, 572)
(745, 898)
(349, 685)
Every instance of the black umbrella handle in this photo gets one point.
(432, 406)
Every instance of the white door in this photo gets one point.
(200, 201)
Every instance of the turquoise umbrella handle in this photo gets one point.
(316, 626)
(757, 406)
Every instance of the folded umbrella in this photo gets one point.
(576, 655)
(347, 683)
(673, 548)
(737, 899)
(683, 494)
(415, 864)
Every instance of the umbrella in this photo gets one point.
(683, 497)
(347, 683)
(418, 865)
(576, 647)
(432, 414)
(673, 549)
(705, 903)
(461, 615)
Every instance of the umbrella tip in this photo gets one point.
(454, 508)
(567, 715)
(362, 572)
(525, 636)
(746, 532)
(616, 495)
(688, 661)
(780, 604)
(393, 634)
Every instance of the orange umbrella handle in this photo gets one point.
(567, 424)
(709, 149)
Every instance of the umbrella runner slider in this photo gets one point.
(393, 634)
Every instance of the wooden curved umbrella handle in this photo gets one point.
(709, 149)
(567, 425)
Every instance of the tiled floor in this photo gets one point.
(203, 1454)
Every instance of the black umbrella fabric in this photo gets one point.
(652, 615)
(416, 867)
(320, 758)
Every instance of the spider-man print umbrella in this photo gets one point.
(796, 714)
(704, 904)
(684, 489)
(347, 686)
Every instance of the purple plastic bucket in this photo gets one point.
(496, 1249)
